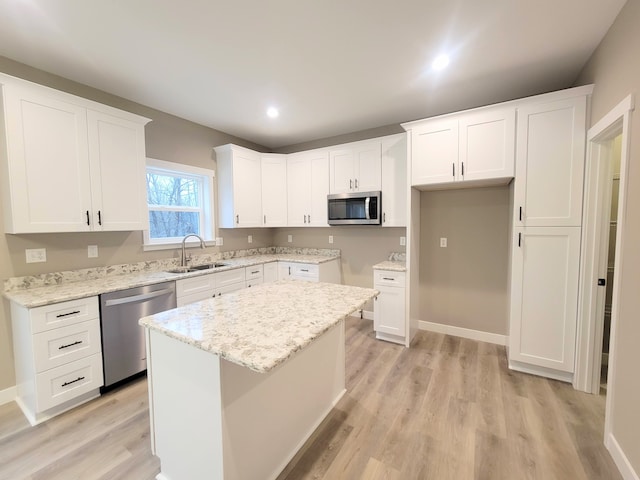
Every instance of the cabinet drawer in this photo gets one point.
(254, 272)
(254, 281)
(230, 277)
(63, 345)
(197, 285)
(68, 381)
(305, 271)
(388, 278)
(61, 314)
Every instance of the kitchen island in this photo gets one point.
(238, 383)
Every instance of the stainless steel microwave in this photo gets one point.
(359, 208)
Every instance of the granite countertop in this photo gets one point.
(261, 327)
(392, 265)
(80, 284)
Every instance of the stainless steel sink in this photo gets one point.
(196, 268)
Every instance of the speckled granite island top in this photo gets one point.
(261, 327)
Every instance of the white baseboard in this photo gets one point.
(620, 459)
(463, 332)
(8, 395)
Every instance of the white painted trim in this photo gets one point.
(8, 395)
(464, 332)
(620, 459)
(602, 125)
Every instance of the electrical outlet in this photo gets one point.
(289, 238)
(36, 255)
(92, 251)
(403, 241)
(219, 241)
(443, 242)
(250, 239)
(330, 238)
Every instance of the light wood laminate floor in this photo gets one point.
(448, 408)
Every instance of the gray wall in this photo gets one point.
(615, 70)
(465, 284)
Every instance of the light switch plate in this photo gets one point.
(443, 242)
(36, 255)
(289, 238)
(219, 241)
(330, 238)
(250, 238)
(92, 251)
(403, 241)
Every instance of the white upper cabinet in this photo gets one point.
(470, 147)
(71, 165)
(118, 187)
(307, 188)
(239, 187)
(356, 167)
(434, 152)
(550, 163)
(394, 181)
(274, 190)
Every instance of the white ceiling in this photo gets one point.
(330, 66)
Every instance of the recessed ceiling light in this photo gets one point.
(272, 112)
(440, 62)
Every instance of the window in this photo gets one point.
(180, 201)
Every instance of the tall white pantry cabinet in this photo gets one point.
(550, 157)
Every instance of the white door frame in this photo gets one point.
(597, 196)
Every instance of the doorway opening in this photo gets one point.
(601, 253)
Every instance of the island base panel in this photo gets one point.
(215, 419)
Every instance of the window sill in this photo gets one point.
(172, 246)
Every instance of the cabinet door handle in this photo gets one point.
(265, 219)
(356, 183)
(237, 219)
(520, 213)
(308, 218)
(257, 271)
(304, 270)
(463, 169)
(453, 165)
(88, 218)
(519, 239)
(384, 217)
(77, 342)
(68, 313)
(387, 278)
(72, 381)
(99, 218)
(305, 219)
(350, 184)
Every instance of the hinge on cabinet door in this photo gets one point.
(602, 282)
(519, 239)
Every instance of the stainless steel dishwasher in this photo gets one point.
(123, 345)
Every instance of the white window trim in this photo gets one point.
(210, 227)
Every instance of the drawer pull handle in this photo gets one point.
(387, 278)
(304, 270)
(257, 271)
(75, 312)
(72, 381)
(77, 342)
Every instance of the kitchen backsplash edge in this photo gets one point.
(72, 276)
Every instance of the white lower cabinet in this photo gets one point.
(270, 272)
(389, 308)
(195, 289)
(323, 272)
(253, 275)
(58, 357)
(544, 299)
